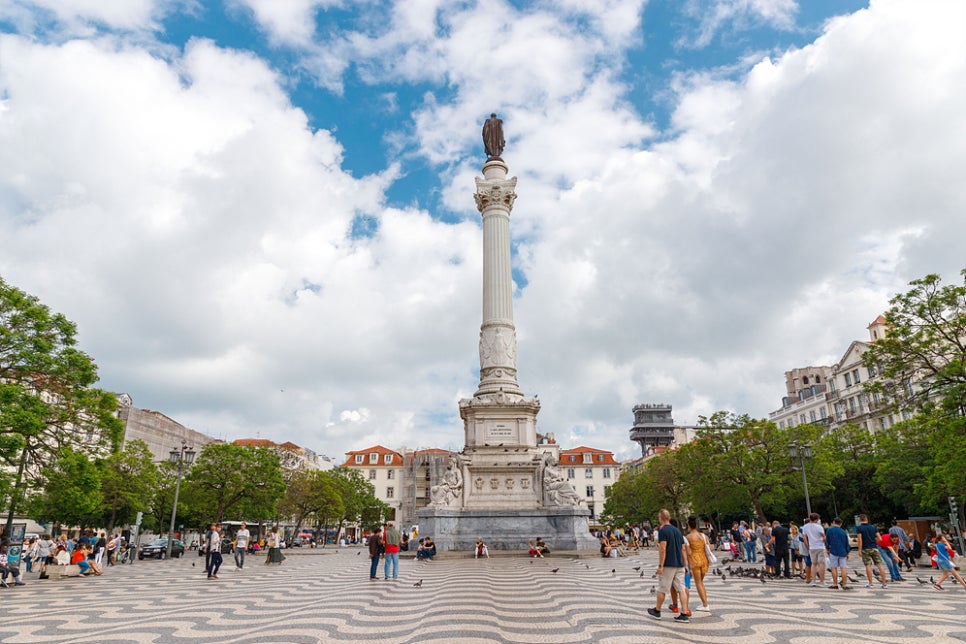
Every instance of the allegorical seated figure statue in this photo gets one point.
(557, 490)
(451, 487)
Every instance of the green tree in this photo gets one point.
(359, 501)
(72, 494)
(48, 399)
(128, 480)
(922, 358)
(310, 493)
(234, 480)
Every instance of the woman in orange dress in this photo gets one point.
(698, 561)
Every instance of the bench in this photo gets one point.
(67, 570)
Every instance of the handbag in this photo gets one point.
(708, 553)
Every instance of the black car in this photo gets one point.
(158, 549)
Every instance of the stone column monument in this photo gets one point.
(502, 487)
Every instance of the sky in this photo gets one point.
(260, 213)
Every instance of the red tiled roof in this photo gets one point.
(350, 461)
(580, 451)
(254, 442)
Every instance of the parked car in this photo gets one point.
(158, 549)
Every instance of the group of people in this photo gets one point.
(683, 560)
(240, 546)
(90, 552)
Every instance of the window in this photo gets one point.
(811, 416)
(600, 458)
(359, 459)
(387, 459)
(590, 491)
(848, 380)
(588, 458)
(570, 473)
(852, 403)
(818, 379)
(872, 371)
(372, 475)
(573, 459)
(390, 492)
(801, 417)
(855, 376)
(882, 423)
(876, 398)
(606, 472)
(823, 413)
(781, 424)
(805, 380)
(588, 473)
(831, 386)
(391, 474)
(374, 459)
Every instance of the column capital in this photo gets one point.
(495, 193)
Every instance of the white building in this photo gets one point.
(591, 471)
(383, 468)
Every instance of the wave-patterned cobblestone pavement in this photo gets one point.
(326, 596)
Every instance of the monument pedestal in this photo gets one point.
(454, 530)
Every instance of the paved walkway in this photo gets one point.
(326, 596)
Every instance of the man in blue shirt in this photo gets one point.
(671, 566)
(869, 551)
(837, 540)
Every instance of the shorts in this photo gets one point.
(808, 561)
(836, 561)
(796, 556)
(669, 577)
(817, 556)
(871, 557)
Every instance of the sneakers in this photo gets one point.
(834, 587)
(703, 609)
(868, 586)
(812, 584)
(682, 618)
(653, 613)
(19, 583)
(884, 586)
(674, 608)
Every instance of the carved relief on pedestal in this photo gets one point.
(498, 348)
(494, 483)
(478, 483)
(557, 490)
(525, 484)
(450, 488)
(510, 483)
(497, 192)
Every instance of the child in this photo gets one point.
(533, 550)
(944, 562)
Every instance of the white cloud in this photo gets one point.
(84, 17)
(715, 15)
(181, 209)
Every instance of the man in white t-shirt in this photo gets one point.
(815, 540)
(242, 538)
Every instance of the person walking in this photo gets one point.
(214, 558)
(944, 563)
(274, 543)
(815, 541)
(242, 537)
(838, 553)
(45, 554)
(673, 558)
(391, 539)
(870, 553)
(698, 545)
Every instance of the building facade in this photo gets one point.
(835, 395)
(160, 433)
(591, 471)
(383, 468)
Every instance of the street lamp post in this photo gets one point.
(802, 452)
(179, 457)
